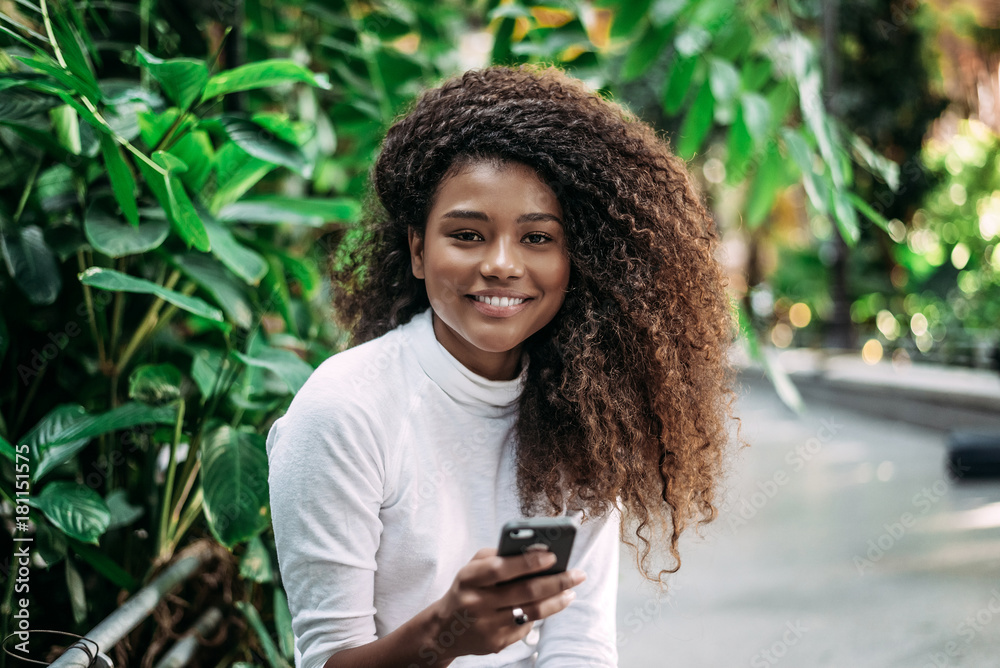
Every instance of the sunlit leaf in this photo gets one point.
(234, 482)
(262, 75)
(115, 238)
(109, 279)
(75, 509)
(182, 79)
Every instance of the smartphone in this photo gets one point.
(555, 534)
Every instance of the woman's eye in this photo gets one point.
(465, 236)
(541, 237)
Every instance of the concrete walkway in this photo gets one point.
(842, 543)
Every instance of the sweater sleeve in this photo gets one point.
(326, 486)
(584, 634)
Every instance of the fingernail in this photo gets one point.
(577, 576)
(545, 559)
(568, 596)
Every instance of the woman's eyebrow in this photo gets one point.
(523, 218)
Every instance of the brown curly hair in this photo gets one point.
(628, 388)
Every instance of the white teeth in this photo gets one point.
(499, 301)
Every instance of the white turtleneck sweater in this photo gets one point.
(392, 467)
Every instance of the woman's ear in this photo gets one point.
(416, 242)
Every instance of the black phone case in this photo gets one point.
(553, 533)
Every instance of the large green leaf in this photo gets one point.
(236, 172)
(283, 623)
(803, 156)
(262, 143)
(678, 84)
(19, 103)
(261, 75)
(155, 383)
(123, 513)
(225, 289)
(696, 123)
(285, 364)
(234, 483)
(32, 264)
(117, 239)
(869, 212)
(274, 659)
(314, 212)
(182, 79)
(724, 79)
(75, 509)
(255, 564)
(115, 281)
(645, 52)
(67, 428)
(769, 179)
(122, 181)
(845, 216)
(240, 260)
(173, 198)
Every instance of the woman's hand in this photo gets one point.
(476, 615)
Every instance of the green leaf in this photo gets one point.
(262, 75)
(678, 84)
(283, 623)
(696, 123)
(644, 52)
(279, 296)
(236, 172)
(263, 144)
(875, 163)
(501, 53)
(210, 275)
(115, 281)
(285, 364)
(314, 212)
(155, 383)
(769, 179)
(725, 80)
(756, 116)
(72, 51)
(787, 392)
(270, 650)
(32, 265)
(692, 41)
(183, 80)
(242, 261)
(77, 594)
(117, 239)
(803, 157)
(122, 181)
(627, 16)
(68, 79)
(738, 148)
(846, 217)
(67, 428)
(76, 510)
(122, 512)
(255, 564)
(103, 565)
(206, 366)
(19, 103)
(173, 198)
(869, 213)
(234, 483)
(7, 450)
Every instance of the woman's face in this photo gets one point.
(492, 232)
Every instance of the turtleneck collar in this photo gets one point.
(482, 396)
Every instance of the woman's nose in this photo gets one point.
(502, 259)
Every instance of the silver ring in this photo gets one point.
(519, 617)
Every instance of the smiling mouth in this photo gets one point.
(498, 301)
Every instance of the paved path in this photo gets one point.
(844, 543)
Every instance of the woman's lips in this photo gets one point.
(498, 311)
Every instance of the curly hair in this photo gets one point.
(628, 387)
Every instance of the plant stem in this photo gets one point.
(116, 317)
(190, 515)
(147, 325)
(91, 316)
(168, 486)
(27, 191)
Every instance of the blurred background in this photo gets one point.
(174, 176)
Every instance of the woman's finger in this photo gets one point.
(490, 570)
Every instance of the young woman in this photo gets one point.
(539, 328)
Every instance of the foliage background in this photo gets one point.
(173, 176)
